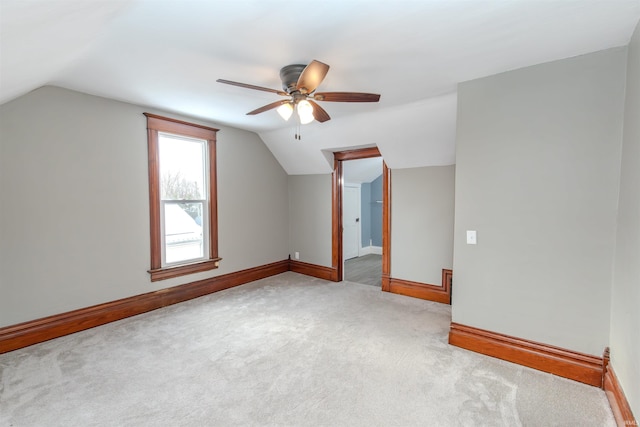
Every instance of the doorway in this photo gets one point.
(365, 244)
(362, 221)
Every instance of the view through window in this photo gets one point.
(184, 204)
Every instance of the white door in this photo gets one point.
(350, 222)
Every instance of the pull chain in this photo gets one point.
(298, 131)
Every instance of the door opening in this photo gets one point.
(347, 221)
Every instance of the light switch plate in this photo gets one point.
(471, 237)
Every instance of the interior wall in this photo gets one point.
(310, 218)
(422, 213)
(625, 296)
(376, 212)
(75, 211)
(537, 173)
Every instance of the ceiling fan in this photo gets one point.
(299, 83)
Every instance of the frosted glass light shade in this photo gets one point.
(285, 110)
(305, 111)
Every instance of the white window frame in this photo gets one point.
(205, 206)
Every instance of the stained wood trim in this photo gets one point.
(36, 331)
(336, 220)
(617, 400)
(386, 283)
(386, 223)
(213, 200)
(167, 124)
(336, 211)
(181, 270)
(555, 360)
(154, 197)
(419, 290)
(447, 280)
(319, 271)
(360, 153)
(157, 124)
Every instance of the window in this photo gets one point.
(182, 197)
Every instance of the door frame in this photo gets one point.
(336, 211)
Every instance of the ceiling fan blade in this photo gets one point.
(311, 77)
(267, 107)
(319, 113)
(346, 97)
(248, 86)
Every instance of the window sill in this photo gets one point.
(182, 270)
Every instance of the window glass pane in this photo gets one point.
(182, 168)
(183, 239)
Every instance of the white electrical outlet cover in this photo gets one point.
(471, 237)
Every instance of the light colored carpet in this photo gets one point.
(284, 351)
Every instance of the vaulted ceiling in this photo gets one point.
(168, 54)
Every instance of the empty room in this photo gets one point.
(330, 213)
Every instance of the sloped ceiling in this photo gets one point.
(168, 53)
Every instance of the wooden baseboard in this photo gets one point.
(617, 399)
(36, 331)
(419, 290)
(447, 281)
(319, 271)
(558, 361)
(386, 283)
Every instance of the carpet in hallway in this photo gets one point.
(366, 270)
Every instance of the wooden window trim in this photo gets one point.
(157, 124)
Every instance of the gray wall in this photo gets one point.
(422, 213)
(625, 296)
(376, 212)
(74, 227)
(538, 162)
(310, 218)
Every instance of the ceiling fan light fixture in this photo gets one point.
(305, 112)
(299, 84)
(285, 111)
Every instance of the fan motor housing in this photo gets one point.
(289, 75)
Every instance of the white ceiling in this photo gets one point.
(168, 53)
(362, 171)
